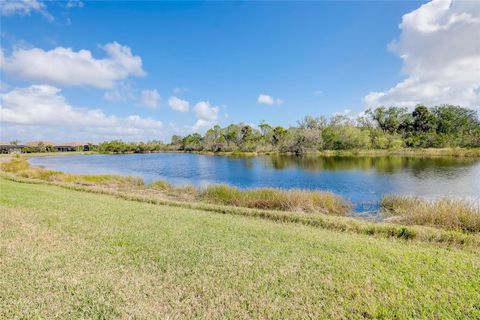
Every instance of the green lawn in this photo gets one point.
(70, 254)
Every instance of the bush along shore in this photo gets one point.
(320, 209)
(441, 130)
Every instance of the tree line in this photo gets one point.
(379, 128)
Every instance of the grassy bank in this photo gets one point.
(269, 198)
(56, 153)
(451, 214)
(407, 152)
(162, 193)
(69, 254)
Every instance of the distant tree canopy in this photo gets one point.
(379, 128)
(118, 146)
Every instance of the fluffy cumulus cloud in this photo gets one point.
(439, 46)
(64, 66)
(43, 108)
(267, 99)
(207, 116)
(150, 98)
(23, 8)
(178, 104)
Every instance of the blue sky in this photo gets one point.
(305, 58)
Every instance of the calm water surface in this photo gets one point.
(363, 180)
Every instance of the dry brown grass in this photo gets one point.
(20, 167)
(277, 199)
(450, 214)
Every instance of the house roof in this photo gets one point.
(9, 145)
(71, 144)
(39, 142)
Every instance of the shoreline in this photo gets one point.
(386, 229)
(405, 152)
(331, 211)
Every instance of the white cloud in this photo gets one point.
(42, 108)
(122, 91)
(23, 8)
(206, 112)
(266, 99)
(317, 92)
(207, 116)
(66, 67)
(202, 125)
(440, 50)
(179, 90)
(150, 98)
(178, 104)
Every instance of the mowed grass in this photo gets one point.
(70, 254)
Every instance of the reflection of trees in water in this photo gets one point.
(441, 167)
(389, 164)
(248, 162)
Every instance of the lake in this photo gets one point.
(363, 180)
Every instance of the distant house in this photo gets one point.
(39, 143)
(74, 146)
(40, 146)
(10, 148)
(69, 146)
(89, 146)
(49, 146)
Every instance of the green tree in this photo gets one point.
(389, 120)
(423, 119)
(279, 134)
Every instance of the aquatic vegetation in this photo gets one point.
(15, 165)
(161, 185)
(451, 214)
(22, 168)
(277, 199)
(112, 179)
